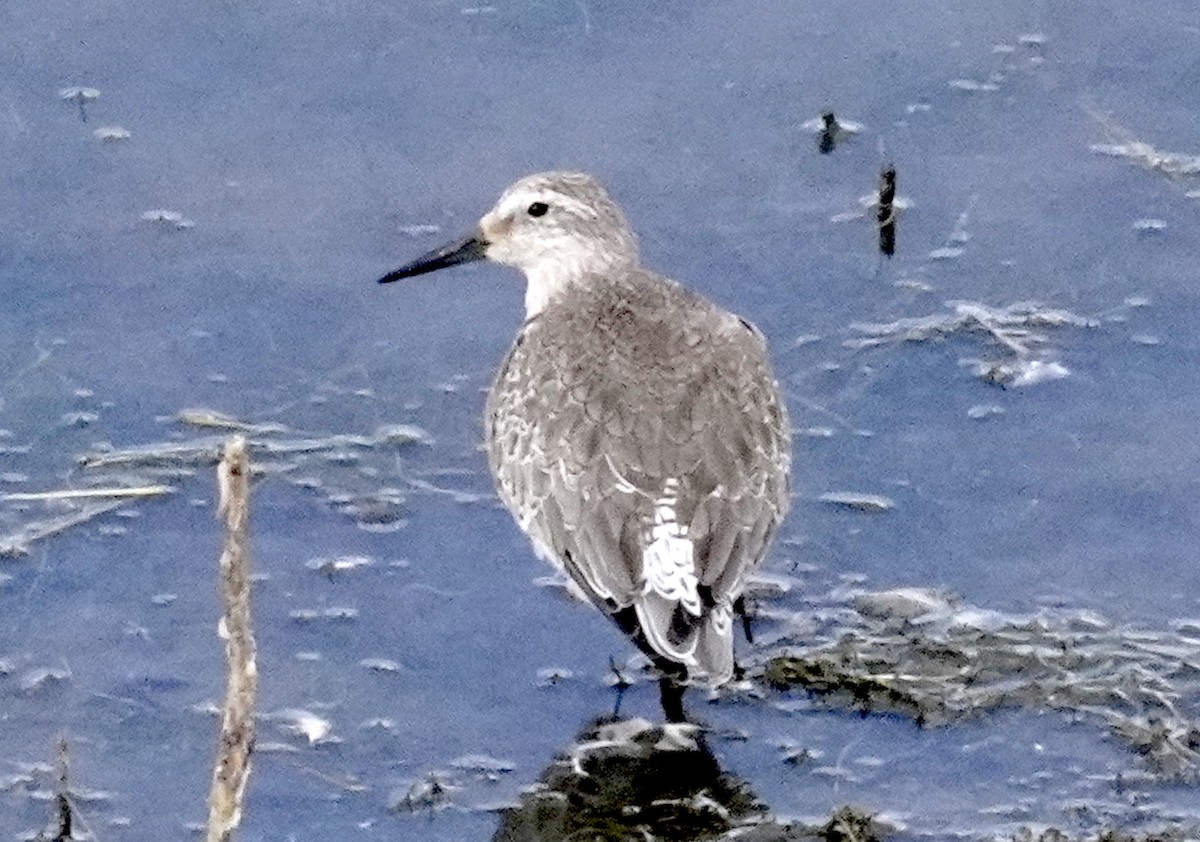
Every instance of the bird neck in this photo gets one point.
(546, 282)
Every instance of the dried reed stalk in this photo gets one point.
(232, 768)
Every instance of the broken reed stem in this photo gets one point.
(61, 799)
(232, 768)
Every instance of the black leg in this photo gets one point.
(621, 684)
(739, 608)
(672, 699)
(672, 676)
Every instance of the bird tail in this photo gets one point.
(703, 644)
(714, 645)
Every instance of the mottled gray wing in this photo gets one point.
(653, 486)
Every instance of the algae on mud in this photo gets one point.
(953, 662)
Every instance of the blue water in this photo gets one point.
(303, 139)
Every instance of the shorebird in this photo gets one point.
(635, 430)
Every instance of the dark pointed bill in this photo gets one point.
(467, 250)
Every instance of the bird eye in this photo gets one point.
(538, 209)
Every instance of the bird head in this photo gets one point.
(556, 227)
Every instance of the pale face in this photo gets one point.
(557, 228)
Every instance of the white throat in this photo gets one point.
(539, 290)
(557, 269)
(548, 279)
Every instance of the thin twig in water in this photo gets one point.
(17, 543)
(87, 493)
(206, 450)
(212, 419)
(1172, 165)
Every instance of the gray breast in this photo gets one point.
(638, 436)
